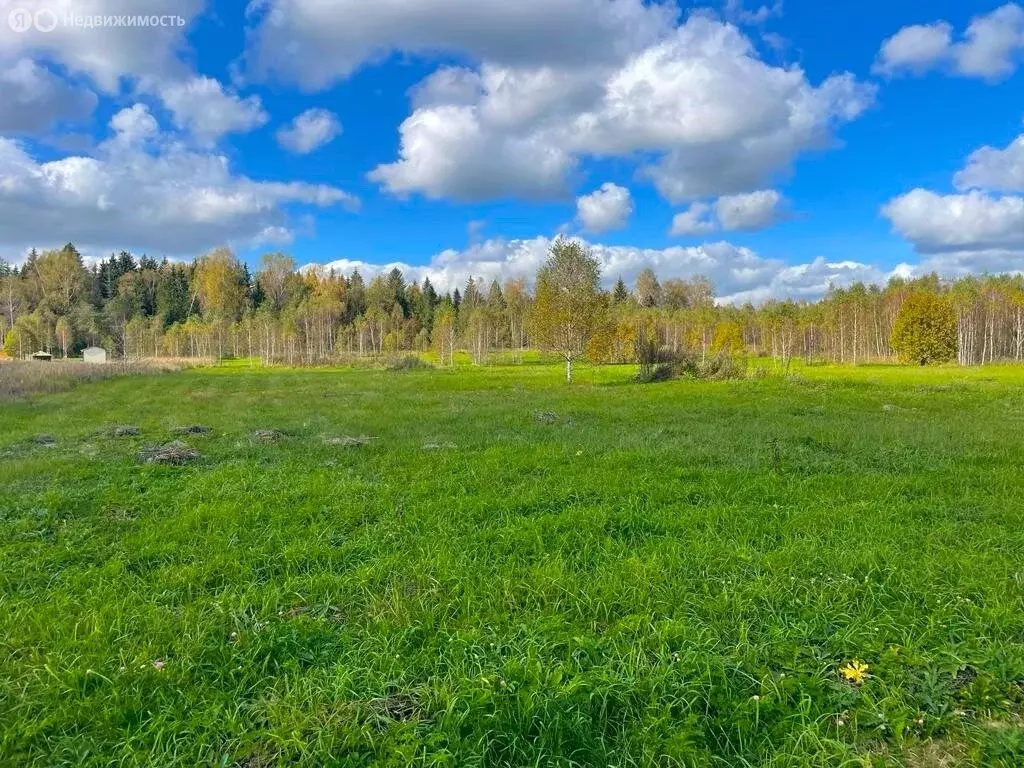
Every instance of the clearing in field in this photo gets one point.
(489, 567)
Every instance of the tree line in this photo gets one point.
(216, 307)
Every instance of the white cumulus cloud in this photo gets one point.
(746, 212)
(736, 11)
(32, 98)
(309, 131)
(916, 48)
(739, 274)
(994, 169)
(107, 54)
(447, 152)
(147, 60)
(981, 227)
(134, 125)
(991, 46)
(202, 106)
(749, 212)
(696, 220)
(971, 221)
(146, 191)
(606, 208)
(719, 119)
(315, 43)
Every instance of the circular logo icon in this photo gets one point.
(45, 20)
(20, 19)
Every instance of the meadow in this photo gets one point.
(819, 568)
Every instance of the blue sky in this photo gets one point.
(801, 144)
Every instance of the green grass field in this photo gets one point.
(606, 574)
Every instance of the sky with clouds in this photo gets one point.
(774, 146)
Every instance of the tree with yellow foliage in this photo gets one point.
(219, 286)
(728, 339)
(568, 308)
(925, 329)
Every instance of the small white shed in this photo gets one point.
(95, 355)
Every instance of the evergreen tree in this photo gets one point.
(247, 286)
(620, 295)
(173, 297)
(421, 307)
(495, 298)
(429, 294)
(356, 297)
(125, 263)
(397, 290)
(471, 298)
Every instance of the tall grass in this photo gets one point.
(20, 379)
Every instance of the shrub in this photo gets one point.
(925, 330)
(409, 363)
(656, 362)
(721, 367)
(658, 372)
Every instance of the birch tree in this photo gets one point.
(568, 307)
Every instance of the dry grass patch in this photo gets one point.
(20, 379)
(935, 754)
(267, 436)
(398, 707)
(176, 453)
(346, 441)
(439, 446)
(193, 429)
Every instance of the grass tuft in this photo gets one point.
(176, 453)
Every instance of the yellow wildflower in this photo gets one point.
(855, 672)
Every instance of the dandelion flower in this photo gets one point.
(855, 672)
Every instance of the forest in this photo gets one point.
(216, 307)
